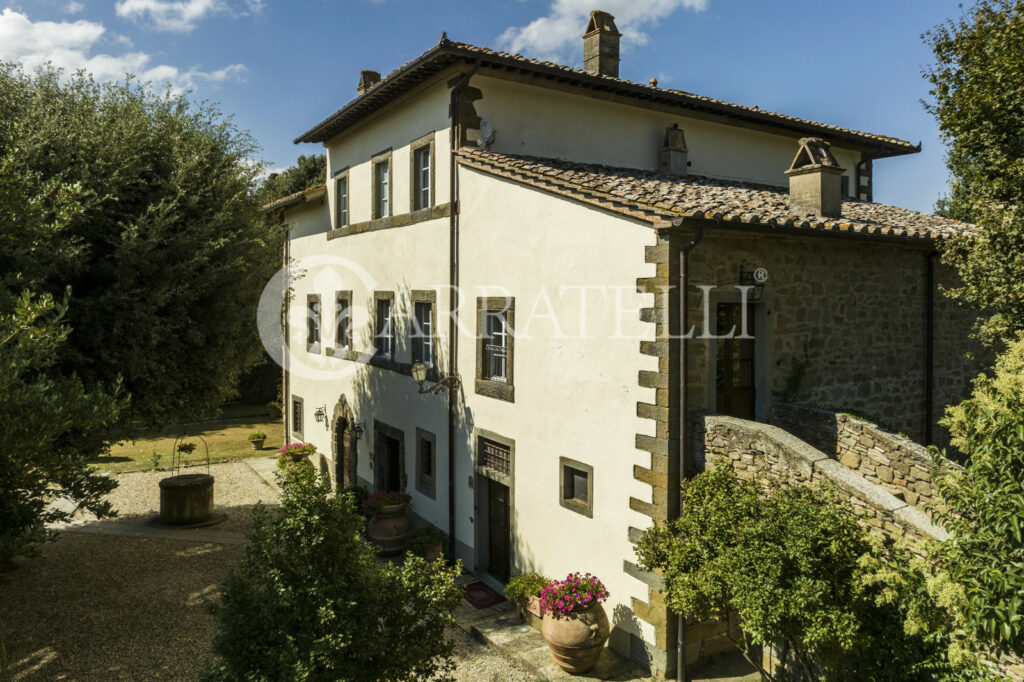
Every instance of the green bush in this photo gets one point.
(259, 435)
(801, 574)
(523, 586)
(309, 601)
(358, 495)
(424, 539)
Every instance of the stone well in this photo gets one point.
(186, 499)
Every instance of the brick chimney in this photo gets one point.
(815, 179)
(672, 158)
(601, 45)
(367, 79)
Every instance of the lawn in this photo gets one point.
(226, 438)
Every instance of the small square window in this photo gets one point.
(577, 486)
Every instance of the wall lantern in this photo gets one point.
(321, 414)
(419, 375)
(358, 429)
(757, 279)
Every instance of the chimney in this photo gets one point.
(672, 157)
(815, 179)
(367, 79)
(601, 45)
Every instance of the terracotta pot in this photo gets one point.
(533, 606)
(388, 529)
(257, 444)
(576, 640)
(433, 553)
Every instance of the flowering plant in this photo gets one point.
(574, 594)
(294, 452)
(380, 499)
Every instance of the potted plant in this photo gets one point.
(426, 541)
(575, 625)
(293, 453)
(389, 524)
(524, 591)
(257, 439)
(275, 409)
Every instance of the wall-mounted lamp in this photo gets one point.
(419, 375)
(358, 429)
(321, 414)
(757, 279)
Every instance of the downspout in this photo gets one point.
(285, 382)
(684, 405)
(929, 348)
(453, 278)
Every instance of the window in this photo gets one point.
(342, 312)
(495, 358)
(425, 462)
(495, 456)
(296, 417)
(384, 336)
(421, 179)
(341, 200)
(423, 333)
(382, 189)
(577, 486)
(313, 323)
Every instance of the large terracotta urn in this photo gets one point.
(576, 640)
(389, 527)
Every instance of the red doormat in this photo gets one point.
(481, 596)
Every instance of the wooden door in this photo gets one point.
(734, 362)
(392, 465)
(499, 531)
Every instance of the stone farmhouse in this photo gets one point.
(520, 231)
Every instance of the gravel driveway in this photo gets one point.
(110, 607)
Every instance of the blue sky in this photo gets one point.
(279, 67)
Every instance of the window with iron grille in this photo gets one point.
(495, 456)
(341, 197)
(384, 333)
(296, 417)
(495, 359)
(423, 333)
(421, 179)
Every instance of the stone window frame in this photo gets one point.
(500, 390)
(316, 344)
(343, 352)
(378, 296)
(384, 429)
(297, 402)
(424, 296)
(571, 503)
(339, 177)
(376, 160)
(426, 484)
(427, 141)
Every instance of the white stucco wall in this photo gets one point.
(549, 123)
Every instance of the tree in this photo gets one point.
(49, 423)
(309, 600)
(983, 507)
(307, 172)
(166, 256)
(977, 90)
(801, 574)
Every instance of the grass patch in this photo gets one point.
(227, 440)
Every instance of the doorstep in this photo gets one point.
(501, 627)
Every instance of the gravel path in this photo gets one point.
(104, 607)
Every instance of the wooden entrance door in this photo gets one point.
(388, 463)
(734, 362)
(499, 531)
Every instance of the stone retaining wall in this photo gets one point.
(889, 460)
(752, 448)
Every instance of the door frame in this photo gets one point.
(762, 396)
(342, 412)
(481, 509)
(380, 431)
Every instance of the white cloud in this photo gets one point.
(169, 15)
(557, 35)
(73, 7)
(72, 45)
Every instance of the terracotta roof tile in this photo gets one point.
(659, 198)
(294, 198)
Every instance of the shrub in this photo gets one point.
(294, 452)
(562, 598)
(379, 499)
(521, 587)
(358, 495)
(309, 601)
(425, 539)
(259, 435)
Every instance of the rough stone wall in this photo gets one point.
(845, 325)
(889, 460)
(753, 448)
